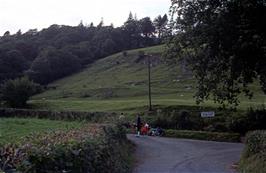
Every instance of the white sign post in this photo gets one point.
(207, 114)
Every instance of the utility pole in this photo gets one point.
(149, 81)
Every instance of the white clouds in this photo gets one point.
(28, 14)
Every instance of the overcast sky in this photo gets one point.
(31, 14)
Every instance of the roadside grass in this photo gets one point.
(254, 164)
(12, 130)
(202, 135)
(126, 105)
(253, 158)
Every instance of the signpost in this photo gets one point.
(207, 114)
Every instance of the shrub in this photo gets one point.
(253, 159)
(184, 120)
(163, 122)
(91, 149)
(125, 53)
(176, 120)
(216, 127)
(16, 92)
(201, 135)
(252, 120)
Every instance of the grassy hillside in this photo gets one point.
(119, 83)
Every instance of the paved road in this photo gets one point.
(169, 155)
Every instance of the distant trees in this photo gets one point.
(16, 92)
(60, 50)
(52, 64)
(6, 34)
(160, 24)
(12, 63)
(146, 27)
(132, 31)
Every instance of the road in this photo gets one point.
(169, 155)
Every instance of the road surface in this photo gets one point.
(170, 155)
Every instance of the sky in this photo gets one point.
(31, 14)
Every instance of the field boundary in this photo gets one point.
(56, 115)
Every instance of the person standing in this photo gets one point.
(138, 126)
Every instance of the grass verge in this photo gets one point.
(253, 159)
(201, 135)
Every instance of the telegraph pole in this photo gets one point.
(149, 81)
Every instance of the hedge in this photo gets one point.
(94, 149)
(202, 135)
(56, 115)
(253, 159)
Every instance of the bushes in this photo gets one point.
(253, 159)
(90, 149)
(201, 135)
(189, 119)
(252, 120)
(224, 121)
(182, 119)
(16, 92)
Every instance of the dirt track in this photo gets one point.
(168, 155)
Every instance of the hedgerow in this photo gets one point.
(91, 149)
(57, 115)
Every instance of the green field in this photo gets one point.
(119, 83)
(13, 129)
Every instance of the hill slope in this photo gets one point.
(119, 82)
(118, 76)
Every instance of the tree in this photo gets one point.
(16, 92)
(100, 24)
(130, 16)
(16, 61)
(132, 32)
(78, 43)
(131, 26)
(52, 64)
(108, 47)
(160, 25)
(224, 43)
(12, 64)
(6, 34)
(19, 33)
(146, 27)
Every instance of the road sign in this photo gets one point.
(207, 114)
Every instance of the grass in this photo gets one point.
(127, 105)
(202, 135)
(13, 129)
(253, 159)
(253, 164)
(119, 83)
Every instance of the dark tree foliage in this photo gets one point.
(146, 27)
(60, 50)
(16, 92)
(52, 64)
(160, 24)
(132, 32)
(224, 43)
(12, 63)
